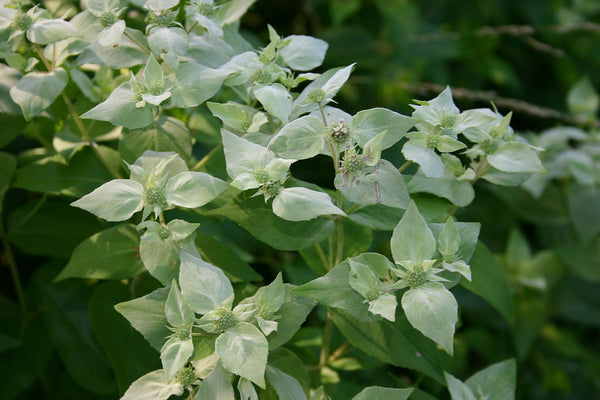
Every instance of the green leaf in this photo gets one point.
(170, 40)
(191, 189)
(432, 309)
(582, 98)
(70, 330)
(288, 362)
(458, 390)
(204, 286)
(242, 155)
(300, 139)
(496, 382)
(37, 90)
(460, 193)
(382, 393)
(395, 343)
(147, 315)
(83, 173)
(166, 134)
(516, 157)
(382, 185)
(215, 386)
(8, 164)
(129, 353)
(448, 239)
(489, 281)
(116, 200)
(412, 239)
(214, 251)
(584, 203)
(276, 100)
(110, 254)
(46, 31)
(334, 290)
(292, 315)
(286, 386)
(258, 219)
(120, 109)
(174, 354)
(367, 124)
(243, 351)
(41, 235)
(153, 386)
(195, 83)
(301, 204)
(362, 278)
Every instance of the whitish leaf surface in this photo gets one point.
(276, 100)
(516, 157)
(303, 53)
(193, 189)
(116, 200)
(300, 139)
(37, 90)
(153, 386)
(412, 240)
(301, 204)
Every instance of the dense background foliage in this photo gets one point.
(535, 57)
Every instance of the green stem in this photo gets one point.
(192, 27)
(481, 169)
(78, 121)
(322, 256)
(326, 342)
(451, 213)
(353, 208)
(340, 241)
(207, 157)
(30, 214)
(141, 46)
(14, 271)
(404, 166)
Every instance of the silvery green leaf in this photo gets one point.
(232, 114)
(276, 100)
(205, 365)
(245, 181)
(435, 108)
(302, 105)
(385, 305)
(120, 109)
(212, 27)
(37, 90)
(366, 124)
(496, 382)
(505, 178)
(303, 53)
(97, 7)
(161, 163)
(428, 159)
(168, 40)
(459, 266)
(457, 389)
(46, 31)
(160, 259)
(516, 157)
(412, 239)
(432, 309)
(111, 35)
(446, 144)
(153, 72)
(153, 386)
(195, 83)
(335, 83)
(156, 100)
(116, 200)
(382, 393)
(460, 193)
(242, 155)
(472, 118)
(300, 139)
(266, 326)
(160, 4)
(301, 204)
(582, 98)
(278, 168)
(247, 390)
(272, 296)
(362, 278)
(180, 229)
(215, 386)
(449, 239)
(204, 286)
(232, 11)
(241, 67)
(243, 351)
(372, 149)
(191, 189)
(178, 313)
(382, 185)
(175, 354)
(286, 386)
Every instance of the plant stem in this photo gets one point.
(192, 27)
(322, 256)
(451, 213)
(404, 166)
(14, 271)
(327, 330)
(30, 214)
(353, 208)
(339, 351)
(207, 157)
(78, 121)
(481, 169)
(141, 46)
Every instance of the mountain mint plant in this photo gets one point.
(217, 329)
